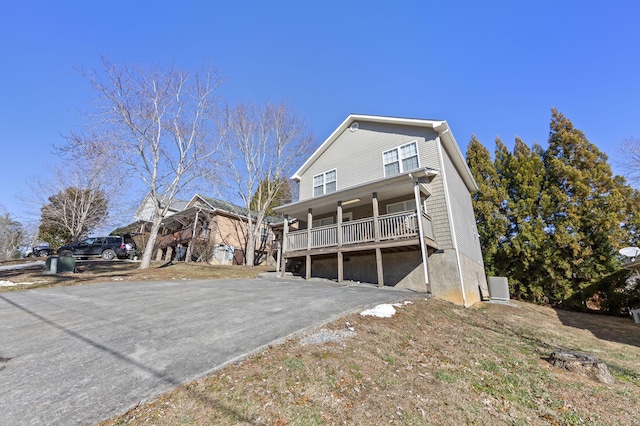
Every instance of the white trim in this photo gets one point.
(451, 225)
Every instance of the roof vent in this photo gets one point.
(354, 126)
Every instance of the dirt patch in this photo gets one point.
(431, 363)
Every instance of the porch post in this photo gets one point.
(339, 220)
(283, 249)
(193, 238)
(379, 267)
(376, 213)
(423, 247)
(339, 231)
(308, 256)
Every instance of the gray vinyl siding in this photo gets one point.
(357, 156)
(437, 209)
(464, 222)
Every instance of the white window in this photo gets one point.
(325, 183)
(409, 205)
(400, 159)
(402, 206)
(322, 222)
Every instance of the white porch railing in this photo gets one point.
(324, 236)
(392, 226)
(358, 231)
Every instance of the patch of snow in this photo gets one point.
(405, 303)
(381, 311)
(7, 284)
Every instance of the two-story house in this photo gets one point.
(387, 200)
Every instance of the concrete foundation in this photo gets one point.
(404, 270)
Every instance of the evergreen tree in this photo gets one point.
(552, 220)
(282, 195)
(523, 256)
(586, 209)
(491, 221)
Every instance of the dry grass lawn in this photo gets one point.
(432, 363)
(93, 271)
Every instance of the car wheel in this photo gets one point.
(38, 254)
(108, 254)
(66, 253)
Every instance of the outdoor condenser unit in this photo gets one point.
(499, 288)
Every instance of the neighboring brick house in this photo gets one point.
(215, 226)
(387, 200)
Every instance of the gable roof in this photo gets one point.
(224, 207)
(439, 126)
(175, 206)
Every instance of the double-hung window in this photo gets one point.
(324, 183)
(400, 159)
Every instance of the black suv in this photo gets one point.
(106, 247)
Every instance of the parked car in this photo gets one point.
(108, 248)
(39, 250)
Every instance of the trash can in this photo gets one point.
(66, 264)
(181, 253)
(50, 266)
(55, 264)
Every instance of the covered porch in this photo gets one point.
(360, 228)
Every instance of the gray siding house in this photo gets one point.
(387, 200)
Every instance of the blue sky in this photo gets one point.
(492, 68)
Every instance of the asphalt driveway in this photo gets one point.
(78, 355)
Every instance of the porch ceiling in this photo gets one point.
(387, 188)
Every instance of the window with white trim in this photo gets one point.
(400, 159)
(325, 183)
(322, 222)
(403, 206)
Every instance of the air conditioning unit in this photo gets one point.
(635, 313)
(499, 288)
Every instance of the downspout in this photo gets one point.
(423, 248)
(451, 224)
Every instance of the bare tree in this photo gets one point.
(74, 201)
(153, 125)
(263, 146)
(630, 162)
(73, 214)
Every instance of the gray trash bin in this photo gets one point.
(51, 266)
(181, 253)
